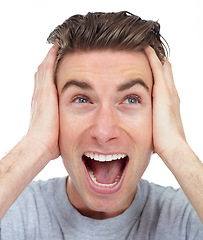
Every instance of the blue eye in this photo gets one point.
(132, 100)
(81, 100)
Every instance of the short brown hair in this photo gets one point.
(107, 31)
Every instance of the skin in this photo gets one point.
(40, 144)
(110, 123)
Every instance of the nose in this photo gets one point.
(105, 127)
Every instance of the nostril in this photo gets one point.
(104, 140)
(104, 135)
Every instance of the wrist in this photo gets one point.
(45, 150)
(30, 158)
(17, 170)
(181, 160)
(174, 155)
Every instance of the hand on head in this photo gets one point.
(44, 124)
(167, 125)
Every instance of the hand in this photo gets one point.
(168, 131)
(44, 124)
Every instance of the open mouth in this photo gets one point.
(105, 171)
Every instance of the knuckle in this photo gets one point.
(167, 64)
(40, 67)
(36, 75)
(50, 63)
(178, 98)
(159, 64)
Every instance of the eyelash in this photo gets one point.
(137, 98)
(80, 97)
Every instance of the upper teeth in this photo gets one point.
(104, 158)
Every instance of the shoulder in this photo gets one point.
(33, 209)
(35, 198)
(161, 194)
(48, 186)
(165, 198)
(38, 191)
(169, 210)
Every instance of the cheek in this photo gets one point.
(73, 129)
(139, 125)
(141, 133)
(145, 127)
(69, 132)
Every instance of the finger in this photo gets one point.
(156, 66)
(162, 73)
(52, 51)
(50, 64)
(34, 92)
(44, 72)
(169, 76)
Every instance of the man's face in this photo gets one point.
(105, 127)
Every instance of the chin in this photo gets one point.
(94, 190)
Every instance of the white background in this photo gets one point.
(24, 28)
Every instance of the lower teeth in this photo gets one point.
(104, 184)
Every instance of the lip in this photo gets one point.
(105, 190)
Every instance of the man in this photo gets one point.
(104, 100)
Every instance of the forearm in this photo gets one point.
(168, 133)
(40, 145)
(188, 170)
(17, 170)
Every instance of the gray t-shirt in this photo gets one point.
(43, 211)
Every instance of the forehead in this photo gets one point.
(113, 66)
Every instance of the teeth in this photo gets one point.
(115, 156)
(91, 155)
(104, 158)
(96, 157)
(108, 158)
(101, 184)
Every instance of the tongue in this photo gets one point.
(106, 172)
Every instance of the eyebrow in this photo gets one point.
(122, 87)
(79, 84)
(131, 83)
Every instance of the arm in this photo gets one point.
(168, 134)
(40, 145)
